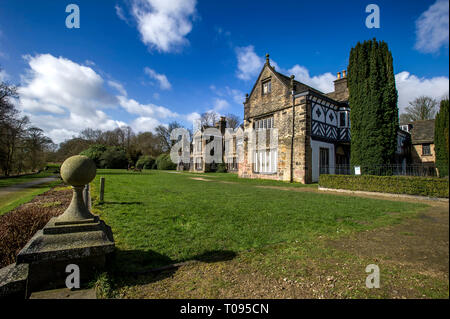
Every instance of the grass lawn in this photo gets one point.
(162, 217)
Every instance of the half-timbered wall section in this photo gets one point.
(330, 121)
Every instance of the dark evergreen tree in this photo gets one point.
(441, 138)
(373, 103)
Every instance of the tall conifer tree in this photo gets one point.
(441, 138)
(373, 104)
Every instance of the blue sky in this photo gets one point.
(148, 62)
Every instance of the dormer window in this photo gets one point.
(266, 87)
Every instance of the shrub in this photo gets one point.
(165, 163)
(95, 153)
(18, 226)
(145, 162)
(222, 168)
(410, 185)
(114, 157)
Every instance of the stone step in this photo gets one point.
(13, 281)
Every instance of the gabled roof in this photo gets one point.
(422, 132)
(299, 86)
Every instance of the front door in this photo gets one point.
(324, 161)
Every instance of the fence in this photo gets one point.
(428, 170)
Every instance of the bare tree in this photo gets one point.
(233, 120)
(422, 108)
(209, 118)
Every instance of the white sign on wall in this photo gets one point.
(357, 170)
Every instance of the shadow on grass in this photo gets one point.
(121, 203)
(102, 174)
(137, 267)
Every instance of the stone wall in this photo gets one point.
(279, 104)
(418, 158)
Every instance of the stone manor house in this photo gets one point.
(313, 131)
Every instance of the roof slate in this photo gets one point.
(422, 132)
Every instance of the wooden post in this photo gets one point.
(102, 189)
(87, 196)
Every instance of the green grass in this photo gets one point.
(13, 200)
(159, 217)
(9, 181)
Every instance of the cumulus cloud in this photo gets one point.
(322, 82)
(410, 86)
(164, 83)
(164, 24)
(59, 128)
(58, 85)
(63, 97)
(432, 27)
(144, 124)
(249, 63)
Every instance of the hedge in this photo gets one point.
(410, 185)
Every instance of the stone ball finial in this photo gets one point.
(292, 76)
(78, 170)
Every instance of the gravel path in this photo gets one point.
(4, 191)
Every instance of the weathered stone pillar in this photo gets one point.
(76, 237)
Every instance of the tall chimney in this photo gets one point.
(340, 87)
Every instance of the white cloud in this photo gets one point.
(144, 124)
(3, 75)
(410, 86)
(432, 27)
(164, 24)
(164, 83)
(237, 95)
(120, 13)
(249, 63)
(220, 104)
(119, 87)
(55, 85)
(322, 82)
(63, 98)
(89, 63)
(59, 128)
(145, 110)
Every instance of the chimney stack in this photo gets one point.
(340, 87)
(222, 124)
